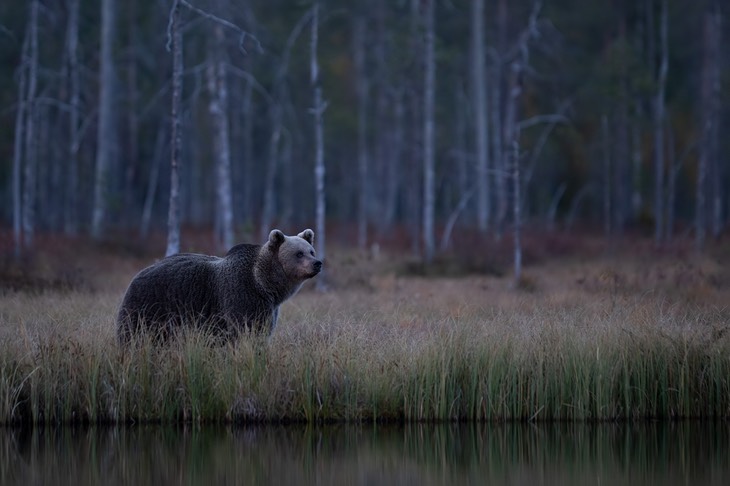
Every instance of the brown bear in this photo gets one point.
(224, 296)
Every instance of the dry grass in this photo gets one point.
(610, 338)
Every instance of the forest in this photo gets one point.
(429, 117)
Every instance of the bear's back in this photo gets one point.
(173, 285)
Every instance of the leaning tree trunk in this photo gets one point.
(429, 82)
(319, 169)
(105, 143)
(173, 217)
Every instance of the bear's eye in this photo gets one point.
(311, 253)
(300, 254)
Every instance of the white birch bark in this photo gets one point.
(319, 167)
(513, 129)
(218, 92)
(173, 217)
(18, 149)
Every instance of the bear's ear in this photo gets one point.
(276, 238)
(307, 235)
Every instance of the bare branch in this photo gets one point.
(539, 119)
(209, 16)
(228, 24)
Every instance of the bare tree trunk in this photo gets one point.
(218, 92)
(173, 217)
(659, 129)
(29, 194)
(513, 128)
(131, 151)
(319, 168)
(71, 215)
(18, 147)
(498, 128)
(428, 132)
(362, 87)
(105, 141)
(480, 114)
(715, 109)
(510, 129)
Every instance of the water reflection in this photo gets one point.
(665, 453)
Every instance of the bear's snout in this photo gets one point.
(317, 266)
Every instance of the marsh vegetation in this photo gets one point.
(630, 336)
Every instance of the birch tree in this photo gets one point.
(105, 140)
(29, 182)
(18, 145)
(218, 92)
(429, 88)
(497, 125)
(659, 110)
(175, 43)
(74, 116)
(318, 107)
(131, 149)
(481, 134)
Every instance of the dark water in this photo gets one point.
(667, 454)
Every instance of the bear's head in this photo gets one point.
(295, 254)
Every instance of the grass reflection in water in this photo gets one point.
(687, 452)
